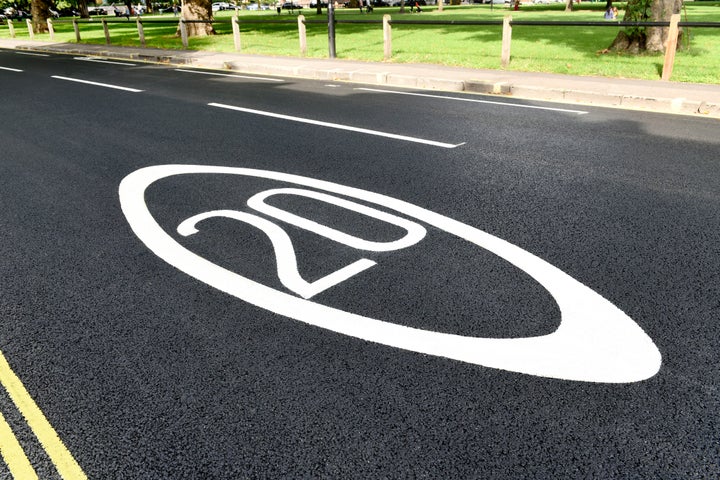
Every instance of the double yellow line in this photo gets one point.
(10, 448)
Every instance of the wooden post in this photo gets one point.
(387, 37)
(31, 32)
(76, 27)
(302, 34)
(51, 29)
(236, 32)
(141, 31)
(106, 31)
(506, 39)
(12, 28)
(183, 32)
(671, 47)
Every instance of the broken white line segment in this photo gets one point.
(338, 126)
(97, 60)
(33, 54)
(10, 69)
(229, 75)
(460, 99)
(106, 85)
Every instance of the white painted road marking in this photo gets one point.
(595, 342)
(232, 75)
(474, 100)
(33, 54)
(109, 62)
(284, 253)
(338, 126)
(106, 85)
(415, 232)
(10, 69)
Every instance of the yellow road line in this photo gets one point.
(63, 460)
(13, 454)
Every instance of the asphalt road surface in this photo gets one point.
(208, 276)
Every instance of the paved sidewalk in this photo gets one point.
(670, 97)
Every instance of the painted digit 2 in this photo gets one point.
(595, 342)
(284, 251)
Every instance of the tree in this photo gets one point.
(198, 10)
(650, 39)
(83, 8)
(40, 11)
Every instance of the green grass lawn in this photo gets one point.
(571, 50)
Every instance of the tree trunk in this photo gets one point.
(569, 5)
(83, 9)
(649, 39)
(40, 11)
(198, 10)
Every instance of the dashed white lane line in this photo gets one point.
(338, 126)
(106, 85)
(33, 54)
(10, 69)
(109, 62)
(474, 100)
(248, 77)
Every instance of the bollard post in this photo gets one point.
(12, 28)
(31, 32)
(76, 27)
(302, 34)
(106, 31)
(236, 32)
(51, 29)
(183, 33)
(506, 39)
(671, 47)
(331, 29)
(387, 37)
(141, 31)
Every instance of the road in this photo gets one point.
(219, 276)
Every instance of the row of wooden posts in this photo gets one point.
(387, 37)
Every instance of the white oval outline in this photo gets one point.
(595, 341)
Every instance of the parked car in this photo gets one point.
(291, 6)
(14, 14)
(219, 6)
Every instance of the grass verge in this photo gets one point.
(569, 50)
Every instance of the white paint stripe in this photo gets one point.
(338, 126)
(473, 100)
(33, 54)
(106, 85)
(229, 75)
(97, 60)
(10, 69)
